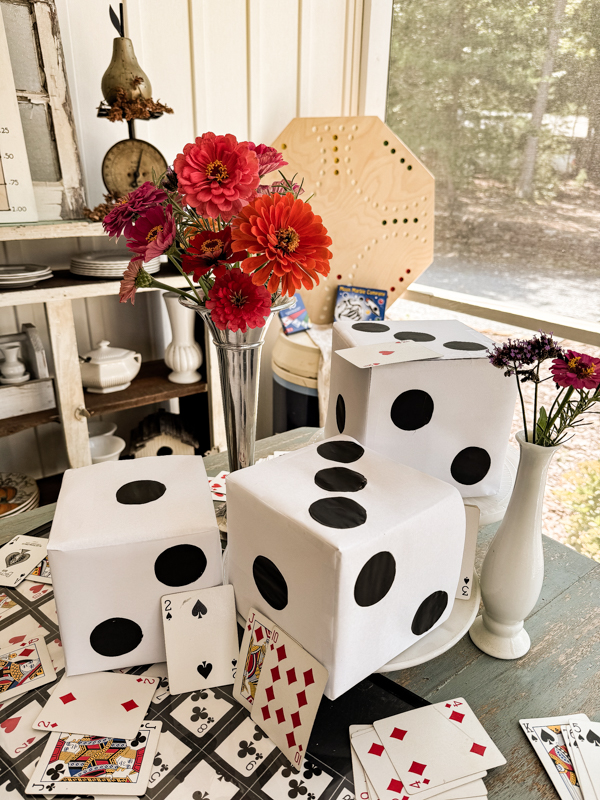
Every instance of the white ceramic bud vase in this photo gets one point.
(513, 569)
(183, 355)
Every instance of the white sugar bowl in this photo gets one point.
(109, 369)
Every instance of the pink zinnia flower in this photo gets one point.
(121, 218)
(153, 233)
(217, 175)
(235, 302)
(128, 287)
(269, 159)
(577, 370)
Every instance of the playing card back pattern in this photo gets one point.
(209, 748)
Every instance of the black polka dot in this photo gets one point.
(338, 512)
(180, 565)
(471, 465)
(344, 452)
(465, 346)
(340, 413)
(428, 613)
(164, 451)
(340, 479)
(375, 579)
(370, 327)
(140, 492)
(115, 637)
(412, 410)
(270, 582)
(414, 336)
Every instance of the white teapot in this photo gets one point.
(109, 369)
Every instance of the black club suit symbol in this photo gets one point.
(199, 713)
(200, 695)
(288, 771)
(139, 739)
(54, 773)
(246, 749)
(258, 734)
(296, 788)
(311, 771)
(157, 760)
(200, 796)
(222, 777)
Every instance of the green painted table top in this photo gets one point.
(559, 675)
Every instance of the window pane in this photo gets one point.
(22, 47)
(501, 100)
(41, 148)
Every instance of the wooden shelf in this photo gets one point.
(61, 229)
(151, 386)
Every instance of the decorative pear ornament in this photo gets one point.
(124, 72)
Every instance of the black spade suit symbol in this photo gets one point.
(546, 737)
(593, 738)
(169, 615)
(17, 558)
(199, 610)
(204, 669)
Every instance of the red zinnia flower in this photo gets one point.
(285, 241)
(235, 302)
(128, 287)
(207, 250)
(269, 159)
(153, 233)
(217, 175)
(123, 215)
(577, 370)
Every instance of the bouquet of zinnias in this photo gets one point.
(240, 244)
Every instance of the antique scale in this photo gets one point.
(131, 162)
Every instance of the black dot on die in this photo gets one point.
(340, 413)
(344, 452)
(375, 579)
(180, 565)
(414, 336)
(338, 512)
(412, 410)
(428, 613)
(115, 637)
(270, 582)
(465, 346)
(140, 492)
(340, 479)
(164, 451)
(471, 465)
(370, 327)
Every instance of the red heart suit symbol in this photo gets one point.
(10, 724)
(37, 588)
(386, 352)
(17, 639)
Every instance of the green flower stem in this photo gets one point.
(522, 404)
(174, 261)
(159, 285)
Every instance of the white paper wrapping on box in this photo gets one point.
(449, 417)
(353, 597)
(114, 552)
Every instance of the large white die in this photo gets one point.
(354, 555)
(124, 534)
(449, 417)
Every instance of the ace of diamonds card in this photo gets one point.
(288, 695)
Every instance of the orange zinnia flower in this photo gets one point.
(286, 243)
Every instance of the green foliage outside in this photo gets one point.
(465, 76)
(582, 501)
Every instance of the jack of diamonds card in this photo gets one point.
(257, 635)
(25, 667)
(288, 695)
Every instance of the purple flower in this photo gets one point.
(123, 216)
(279, 187)
(269, 159)
(513, 355)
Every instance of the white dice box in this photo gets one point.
(449, 417)
(354, 555)
(124, 534)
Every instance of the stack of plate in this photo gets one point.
(19, 276)
(18, 493)
(107, 264)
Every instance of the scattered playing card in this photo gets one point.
(107, 703)
(217, 486)
(24, 667)
(107, 765)
(201, 711)
(19, 557)
(570, 738)
(395, 352)
(200, 638)
(8, 606)
(462, 716)
(463, 591)
(257, 634)
(245, 748)
(169, 753)
(288, 694)
(33, 590)
(546, 739)
(41, 573)
(587, 737)
(429, 751)
(16, 733)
